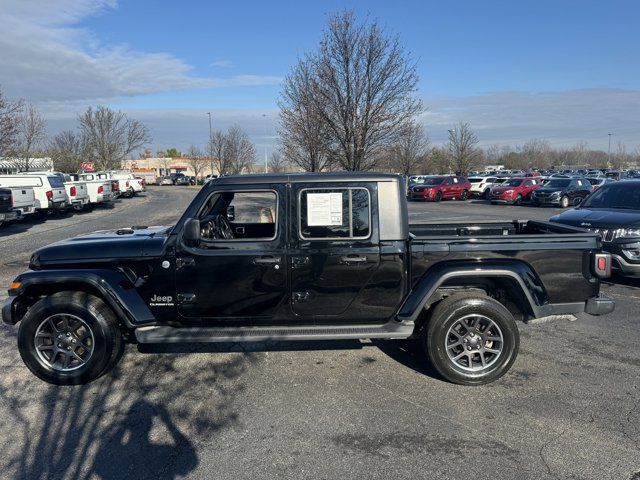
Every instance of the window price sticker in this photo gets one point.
(324, 209)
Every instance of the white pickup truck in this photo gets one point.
(78, 197)
(128, 184)
(49, 192)
(76, 191)
(98, 189)
(23, 201)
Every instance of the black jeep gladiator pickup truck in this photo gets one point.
(300, 257)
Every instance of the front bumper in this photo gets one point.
(545, 200)
(502, 199)
(8, 309)
(621, 265)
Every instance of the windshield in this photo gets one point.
(512, 182)
(475, 180)
(595, 181)
(616, 195)
(430, 181)
(556, 183)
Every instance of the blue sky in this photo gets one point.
(567, 71)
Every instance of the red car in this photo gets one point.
(514, 190)
(439, 187)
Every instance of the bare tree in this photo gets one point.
(304, 136)
(361, 87)
(239, 152)
(9, 112)
(31, 132)
(277, 163)
(68, 150)
(111, 135)
(197, 160)
(463, 147)
(410, 148)
(216, 147)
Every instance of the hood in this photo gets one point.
(103, 246)
(550, 189)
(599, 218)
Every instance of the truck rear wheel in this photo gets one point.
(471, 339)
(69, 338)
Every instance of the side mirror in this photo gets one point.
(231, 213)
(191, 233)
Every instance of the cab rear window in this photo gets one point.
(55, 182)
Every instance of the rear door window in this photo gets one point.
(335, 213)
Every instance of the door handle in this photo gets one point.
(349, 259)
(185, 262)
(268, 260)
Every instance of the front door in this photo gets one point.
(237, 272)
(335, 252)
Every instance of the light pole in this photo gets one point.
(210, 146)
(452, 133)
(609, 152)
(266, 165)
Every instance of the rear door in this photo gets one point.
(335, 251)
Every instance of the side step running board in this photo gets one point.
(259, 334)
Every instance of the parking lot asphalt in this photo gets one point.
(569, 408)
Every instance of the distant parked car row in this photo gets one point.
(557, 190)
(182, 179)
(45, 192)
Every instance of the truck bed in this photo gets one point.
(556, 253)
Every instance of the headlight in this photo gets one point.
(555, 194)
(631, 232)
(508, 192)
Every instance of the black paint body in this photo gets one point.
(316, 282)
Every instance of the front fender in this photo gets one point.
(525, 277)
(115, 289)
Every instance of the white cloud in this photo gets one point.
(220, 63)
(47, 57)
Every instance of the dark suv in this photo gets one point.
(613, 211)
(562, 191)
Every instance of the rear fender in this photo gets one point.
(519, 275)
(112, 286)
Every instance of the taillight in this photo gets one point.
(114, 186)
(49, 195)
(100, 189)
(127, 184)
(602, 265)
(73, 191)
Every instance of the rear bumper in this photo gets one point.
(599, 306)
(8, 216)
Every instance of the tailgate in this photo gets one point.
(23, 197)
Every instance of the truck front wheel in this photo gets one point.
(69, 338)
(471, 339)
